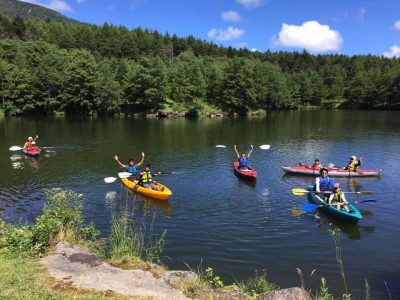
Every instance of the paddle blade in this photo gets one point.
(110, 179)
(363, 201)
(15, 148)
(220, 146)
(309, 207)
(124, 174)
(299, 192)
(265, 147)
(365, 193)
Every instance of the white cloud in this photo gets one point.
(311, 36)
(397, 25)
(361, 14)
(394, 52)
(57, 5)
(227, 34)
(231, 16)
(254, 50)
(251, 3)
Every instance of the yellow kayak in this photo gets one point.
(162, 194)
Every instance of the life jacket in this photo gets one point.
(325, 183)
(338, 197)
(316, 166)
(146, 177)
(30, 145)
(352, 166)
(243, 162)
(131, 169)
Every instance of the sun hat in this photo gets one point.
(30, 138)
(353, 157)
(337, 185)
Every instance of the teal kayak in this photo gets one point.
(352, 217)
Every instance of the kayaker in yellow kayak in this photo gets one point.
(146, 178)
(337, 198)
(131, 167)
(243, 159)
(353, 164)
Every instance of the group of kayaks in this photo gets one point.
(249, 173)
(352, 217)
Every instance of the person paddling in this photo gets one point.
(131, 167)
(338, 198)
(323, 183)
(146, 178)
(30, 143)
(243, 159)
(353, 164)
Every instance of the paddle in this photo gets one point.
(262, 147)
(120, 175)
(18, 148)
(302, 192)
(312, 207)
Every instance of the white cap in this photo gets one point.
(353, 157)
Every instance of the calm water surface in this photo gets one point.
(213, 217)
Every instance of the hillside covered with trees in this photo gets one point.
(48, 67)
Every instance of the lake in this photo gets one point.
(213, 217)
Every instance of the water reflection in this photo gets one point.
(353, 232)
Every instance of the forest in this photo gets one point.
(49, 67)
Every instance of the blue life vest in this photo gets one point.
(325, 184)
(243, 162)
(131, 169)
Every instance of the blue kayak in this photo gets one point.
(352, 217)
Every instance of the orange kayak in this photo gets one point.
(162, 194)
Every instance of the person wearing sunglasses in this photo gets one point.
(323, 183)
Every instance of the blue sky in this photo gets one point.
(321, 26)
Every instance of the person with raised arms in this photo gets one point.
(131, 167)
(323, 183)
(243, 159)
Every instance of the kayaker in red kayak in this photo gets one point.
(146, 178)
(338, 198)
(353, 164)
(131, 167)
(317, 165)
(30, 143)
(323, 183)
(243, 159)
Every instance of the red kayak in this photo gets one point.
(333, 172)
(249, 174)
(35, 152)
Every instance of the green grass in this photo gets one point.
(23, 277)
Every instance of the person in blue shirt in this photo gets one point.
(146, 178)
(131, 167)
(243, 159)
(323, 183)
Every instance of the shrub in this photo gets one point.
(258, 284)
(62, 219)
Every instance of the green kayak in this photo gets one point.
(352, 217)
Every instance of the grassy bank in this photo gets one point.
(130, 246)
(23, 277)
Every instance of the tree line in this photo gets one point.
(75, 68)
